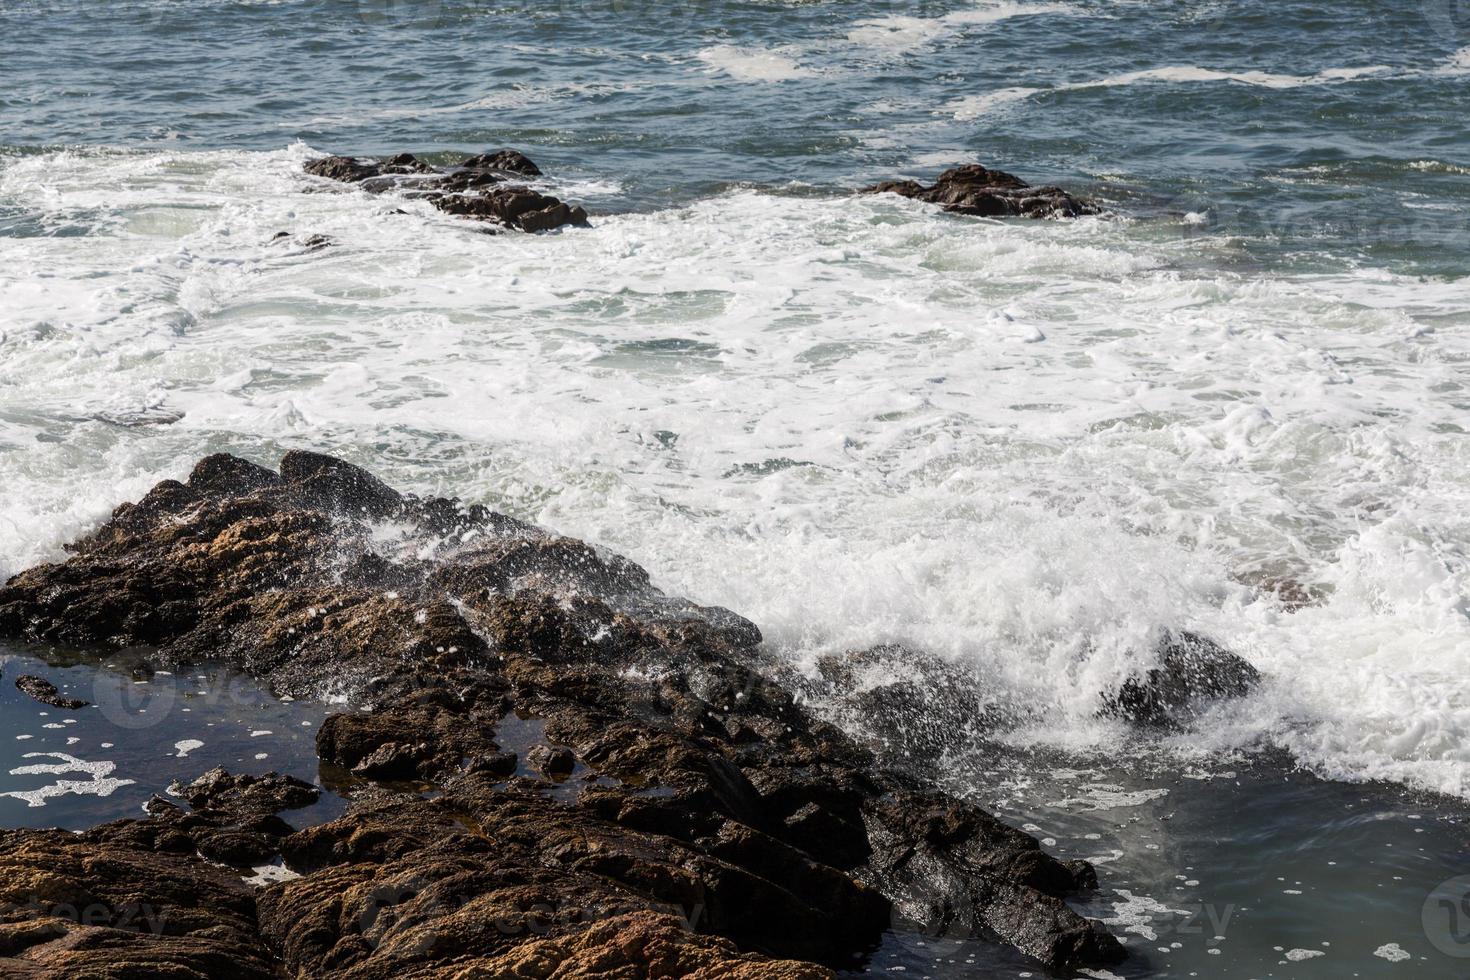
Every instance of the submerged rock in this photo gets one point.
(975, 190)
(310, 243)
(45, 692)
(699, 819)
(487, 187)
(1193, 670)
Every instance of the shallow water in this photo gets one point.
(1249, 869)
(1026, 447)
(140, 731)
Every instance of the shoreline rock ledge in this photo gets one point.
(555, 770)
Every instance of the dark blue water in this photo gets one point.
(139, 732)
(678, 98)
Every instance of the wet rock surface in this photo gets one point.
(913, 705)
(558, 768)
(1193, 671)
(975, 190)
(489, 187)
(45, 692)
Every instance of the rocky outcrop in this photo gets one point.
(490, 187)
(554, 764)
(1193, 671)
(975, 190)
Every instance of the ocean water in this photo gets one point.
(139, 732)
(1027, 447)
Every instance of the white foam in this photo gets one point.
(975, 106)
(1458, 63)
(1438, 167)
(1038, 511)
(1298, 955)
(1392, 952)
(100, 781)
(269, 874)
(1103, 796)
(1139, 914)
(753, 64)
(901, 34)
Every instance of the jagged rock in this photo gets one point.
(504, 161)
(244, 795)
(555, 761)
(393, 761)
(485, 187)
(517, 207)
(914, 705)
(975, 190)
(463, 639)
(1192, 670)
(45, 692)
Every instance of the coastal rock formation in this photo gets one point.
(489, 186)
(554, 765)
(1193, 671)
(975, 190)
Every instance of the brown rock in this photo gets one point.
(706, 792)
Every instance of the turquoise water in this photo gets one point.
(1029, 448)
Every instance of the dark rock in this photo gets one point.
(707, 794)
(157, 804)
(975, 190)
(237, 848)
(497, 765)
(45, 692)
(505, 161)
(1192, 670)
(393, 761)
(224, 474)
(484, 187)
(1084, 874)
(554, 761)
(246, 796)
(518, 207)
(915, 706)
(347, 169)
